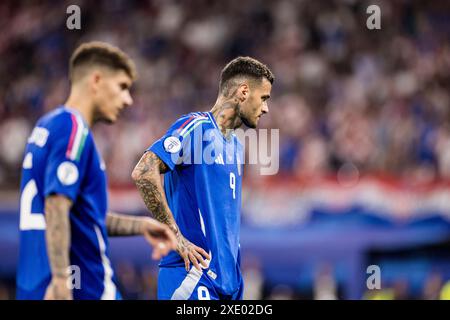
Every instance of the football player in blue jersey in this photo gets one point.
(201, 200)
(64, 217)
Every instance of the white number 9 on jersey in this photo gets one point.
(233, 184)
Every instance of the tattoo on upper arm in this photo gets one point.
(150, 187)
(149, 162)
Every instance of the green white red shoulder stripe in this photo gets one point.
(191, 123)
(77, 139)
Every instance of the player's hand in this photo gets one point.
(191, 253)
(160, 237)
(58, 289)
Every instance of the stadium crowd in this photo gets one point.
(378, 99)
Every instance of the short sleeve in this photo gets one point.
(68, 155)
(178, 144)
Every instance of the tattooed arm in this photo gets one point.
(157, 234)
(57, 234)
(146, 176)
(123, 225)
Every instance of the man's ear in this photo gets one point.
(243, 92)
(94, 80)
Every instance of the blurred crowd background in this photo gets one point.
(378, 100)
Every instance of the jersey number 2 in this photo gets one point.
(28, 220)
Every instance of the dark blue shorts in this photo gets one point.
(174, 283)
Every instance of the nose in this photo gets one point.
(128, 100)
(265, 108)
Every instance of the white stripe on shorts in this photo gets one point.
(184, 291)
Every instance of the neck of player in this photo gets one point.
(79, 102)
(226, 114)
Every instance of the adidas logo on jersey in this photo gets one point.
(219, 159)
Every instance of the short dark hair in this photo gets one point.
(101, 53)
(243, 66)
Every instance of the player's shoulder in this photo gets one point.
(188, 122)
(194, 116)
(60, 118)
(62, 123)
(47, 127)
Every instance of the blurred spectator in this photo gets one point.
(281, 292)
(253, 279)
(324, 284)
(432, 287)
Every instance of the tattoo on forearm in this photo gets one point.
(58, 234)
(147, 178)
(148, 181)
(122, 225)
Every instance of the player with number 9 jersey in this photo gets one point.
(202, 162)
(205, 198)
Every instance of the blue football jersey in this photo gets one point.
(61, 158)
(203, 189)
